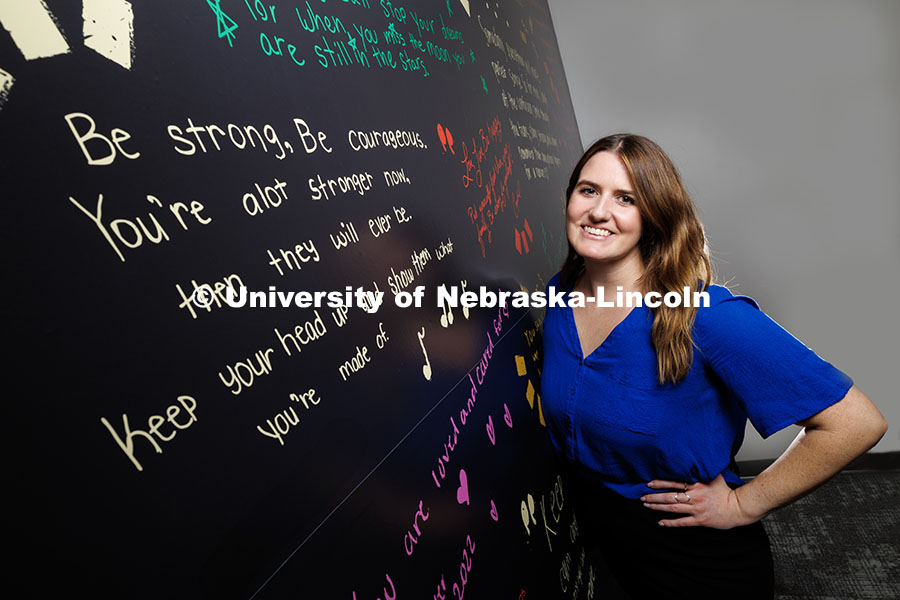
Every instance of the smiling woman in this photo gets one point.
(602, 221)
(647, 425)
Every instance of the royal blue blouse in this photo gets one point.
(608, 416)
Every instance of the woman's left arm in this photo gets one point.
(829, 440)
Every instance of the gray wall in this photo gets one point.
(784, 118)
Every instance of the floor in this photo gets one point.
(841, 542)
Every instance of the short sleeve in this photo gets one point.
(774, 377)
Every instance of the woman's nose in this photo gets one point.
(600, 210)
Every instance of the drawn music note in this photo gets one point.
(426, 368)
(465, 309)
(447, 317)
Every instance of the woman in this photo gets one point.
(648, 406)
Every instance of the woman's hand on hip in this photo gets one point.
(712, 504)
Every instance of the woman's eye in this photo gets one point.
(587, 191)
(626, 200)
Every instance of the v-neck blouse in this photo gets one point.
(608, 416)
(623, 328)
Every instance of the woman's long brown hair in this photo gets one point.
(672, 245)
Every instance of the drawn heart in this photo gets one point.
(506, 416)
(494, 514)
(446, 138)
(490, 431)
(462, 494)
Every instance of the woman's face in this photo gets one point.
(602, 223)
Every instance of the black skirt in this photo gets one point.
(623, 539)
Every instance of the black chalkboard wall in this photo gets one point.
(162, 450)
